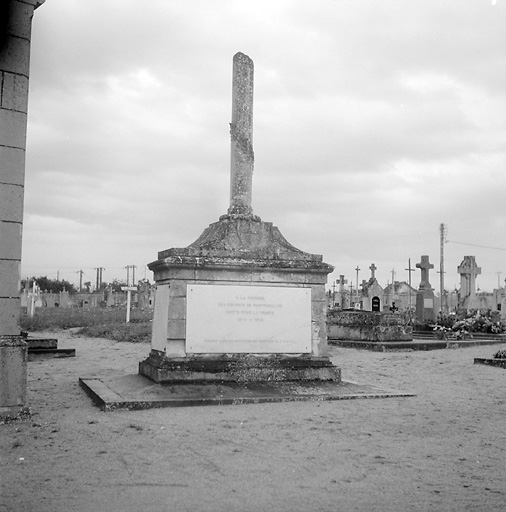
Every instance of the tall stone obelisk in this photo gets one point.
(15, 32)
(241, 133)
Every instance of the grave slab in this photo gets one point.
(46, 348)
(50, 353)
(134, 392)
(499, 363)
(420, 344)
(369, 326)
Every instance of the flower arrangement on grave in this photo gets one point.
(501, 354)
(449, 326)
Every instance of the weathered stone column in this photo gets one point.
(241, 132)
(15, 31)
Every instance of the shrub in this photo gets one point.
(134, 333)
(94, 322)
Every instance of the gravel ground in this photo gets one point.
(443, 450)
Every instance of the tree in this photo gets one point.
(117, 284)
(49, 285)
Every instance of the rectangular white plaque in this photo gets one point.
(428, 303)
(247, 319)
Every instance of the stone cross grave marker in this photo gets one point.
(425, 266)
(425, 294)
(468, 271)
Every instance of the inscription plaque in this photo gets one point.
(247, 319)
(428, 303)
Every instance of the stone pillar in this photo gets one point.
(15, 31)
(241, 133)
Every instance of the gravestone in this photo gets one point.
(425, 295)
(240, 303)
(468, 271)
(376, 304)
(109, 296)
(344, 301)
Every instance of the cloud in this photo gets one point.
(373, 123)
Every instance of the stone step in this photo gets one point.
(50, 353)
(36, 343)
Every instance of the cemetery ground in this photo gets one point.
(443, 449)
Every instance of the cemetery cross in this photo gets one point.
(424, 266)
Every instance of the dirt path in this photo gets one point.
(443, 450)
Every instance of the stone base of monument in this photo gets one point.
(133, 392)
(238, 368)
(239, 304)
(368, 326)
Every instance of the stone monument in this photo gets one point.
(240, 303)
(15, 32)
(425, 295)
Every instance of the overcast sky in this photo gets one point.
(374, 122)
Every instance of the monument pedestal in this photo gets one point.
(13, 368)
(424, 308)
(239, 304)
